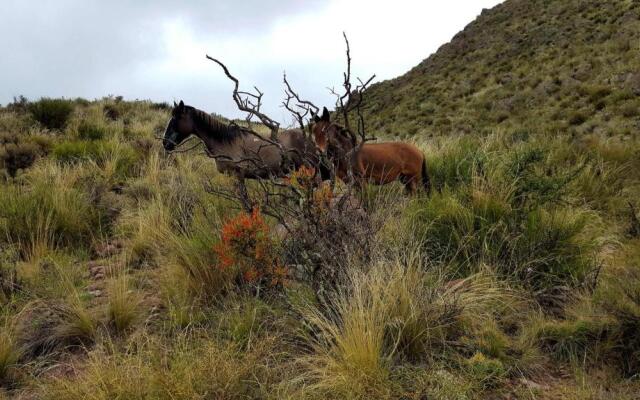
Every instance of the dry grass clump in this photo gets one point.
(187, 367)
(47, 326)
(10, 352)
(442, 301)
(123, 305)
(52, 208)
(390, 313)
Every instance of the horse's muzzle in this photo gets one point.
(168, 145)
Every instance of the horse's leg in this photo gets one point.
(411, 186)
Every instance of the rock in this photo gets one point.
(94, 287)
(533, 385)
(106, 249)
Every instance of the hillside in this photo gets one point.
(127, 272)
(556, 65)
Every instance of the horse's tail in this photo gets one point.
(426, 182)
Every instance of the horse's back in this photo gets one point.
(392, 152)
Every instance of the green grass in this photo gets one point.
(541, 65)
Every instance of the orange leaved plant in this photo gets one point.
(246, 245)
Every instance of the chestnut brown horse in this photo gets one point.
(376, 163)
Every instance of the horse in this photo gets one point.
(238, 151)
(376, 163)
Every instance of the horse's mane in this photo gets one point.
(218, 130)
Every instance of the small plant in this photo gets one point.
(245, 244)
(21, 151)
(488, 371)
(47, 326)
(88, 130)
(9, 353)
(123, 308)
(51, 113)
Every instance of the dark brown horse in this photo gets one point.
(238, 151)
(377, 163)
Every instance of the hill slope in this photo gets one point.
(553, 64)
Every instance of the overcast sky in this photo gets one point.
(156, 49)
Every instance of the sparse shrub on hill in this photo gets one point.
(10, 352)
(53, 211)
(90, 131)
(20, 151)
(47, 326)
(51, 113)
(507, 213)
(522, 63)
(119, 158)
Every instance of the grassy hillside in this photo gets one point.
(123, 276)
(566, 66)
(129, 273)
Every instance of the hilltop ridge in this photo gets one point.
(556, 65)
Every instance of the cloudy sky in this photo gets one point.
(156, 49)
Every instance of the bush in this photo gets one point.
(185, 367)
(90, 130)
(487, 371)
(119, 158)
(123, 307)
(455, 164)
(578, 117)
(51, 113)
(47, 326)
(47, 214)
(619, 295)
(390, 312)
(544, 247)
(246, 246)
(572, 340)
(21, 151)
(10, 354)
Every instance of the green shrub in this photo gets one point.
(57, 216)
(21, 151)
(9, 353)
(90, 130)
(572, 340)
(578, 117)
(455, 164)
(619, 296)
(543, 248)
(122, 158)
(51, 113)
(487, 371)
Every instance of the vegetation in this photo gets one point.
(523, 66)
(124, 273)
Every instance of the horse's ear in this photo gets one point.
(325, 115)
(316, 119)
(175, 104)
(181, 105)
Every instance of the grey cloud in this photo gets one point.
(91, 48)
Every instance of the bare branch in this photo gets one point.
(248, 106)
(352, 99)
(302, 108)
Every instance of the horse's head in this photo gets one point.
(180, 126)
(330, 137)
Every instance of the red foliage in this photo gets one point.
(246, 244)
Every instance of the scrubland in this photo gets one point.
(123, 276)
